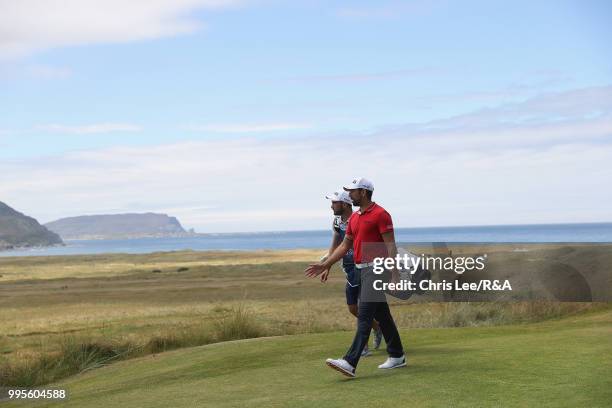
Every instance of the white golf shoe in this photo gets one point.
(393, 362)
(342, 366)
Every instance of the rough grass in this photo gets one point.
(474, 314)
(78, 354)
(237, 325)
(106, 265)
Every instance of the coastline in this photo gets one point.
(313, 239)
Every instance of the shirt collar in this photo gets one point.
(370, 208)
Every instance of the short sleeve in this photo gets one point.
(385, 224)
(335, 226)
(349, 228)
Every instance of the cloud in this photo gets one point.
(587, 105)
(21, 71)
(489, 167)
(28, 26)
(362, 77)
(248, 127)
(90, 129)
(512, 91)
(47, 72)
(387, 10)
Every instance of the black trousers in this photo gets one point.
(368, 311)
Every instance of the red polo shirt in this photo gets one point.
(366, 229)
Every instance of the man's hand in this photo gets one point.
(324, 276)
(315, 269)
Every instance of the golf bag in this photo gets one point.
(419, 275)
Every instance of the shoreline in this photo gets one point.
(561, 234)
(436, 246)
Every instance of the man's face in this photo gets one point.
(356, 196)
(336, 207)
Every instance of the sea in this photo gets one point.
(542, 233)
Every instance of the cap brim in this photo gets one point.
(333, 200)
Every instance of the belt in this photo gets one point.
(364, 265)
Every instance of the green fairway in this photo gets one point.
(560, 363)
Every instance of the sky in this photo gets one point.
(240, 115)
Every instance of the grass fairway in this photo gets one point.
(558, 363)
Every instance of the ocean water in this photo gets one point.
(548, 233)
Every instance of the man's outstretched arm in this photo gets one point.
(318, 268)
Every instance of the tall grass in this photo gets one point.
(239, 324)
(464, 314)
(78, 354)
(74, 355)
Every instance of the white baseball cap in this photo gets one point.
(341, 196)
(360, 182)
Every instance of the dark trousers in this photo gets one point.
(368, 311)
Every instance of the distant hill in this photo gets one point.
(118, 226)
(18, 230)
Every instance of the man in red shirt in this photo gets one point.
(370, 234)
